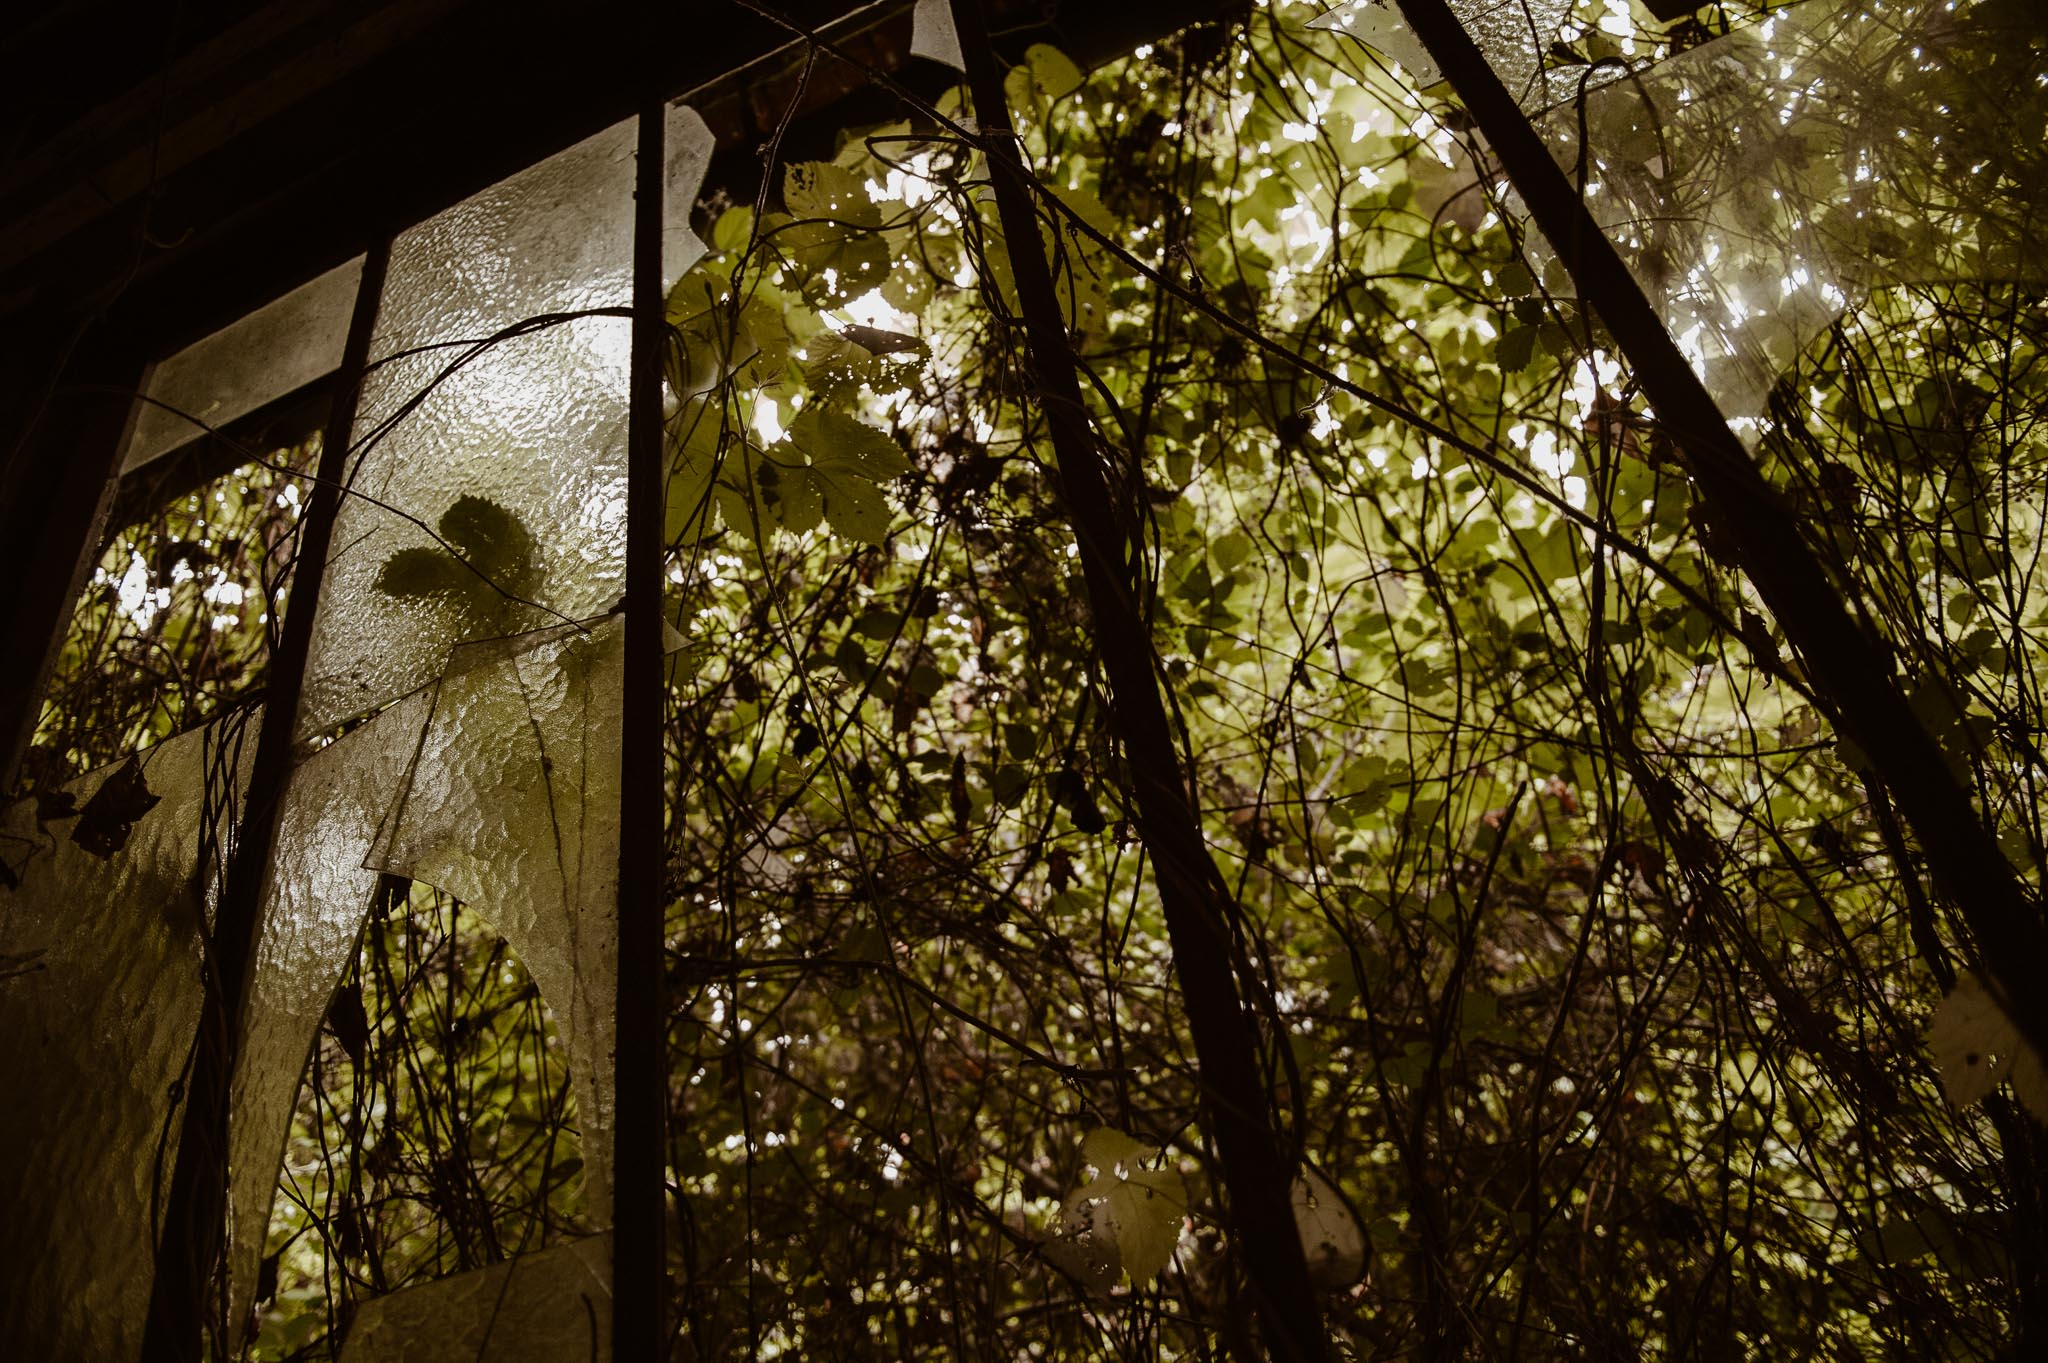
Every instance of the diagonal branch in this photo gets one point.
(1197, 902)
(1851, 673)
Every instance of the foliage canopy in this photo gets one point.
(1594, 971)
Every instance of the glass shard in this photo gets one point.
(498, 785)
(687, 143)
(513, 807)
(315, 899)
(932, 35)
(280, 347)
(544, 1307)
(99, 1004)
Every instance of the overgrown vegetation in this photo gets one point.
(1594, 971)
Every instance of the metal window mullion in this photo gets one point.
(190, 1243)
(639, 1278)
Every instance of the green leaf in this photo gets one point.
(836, 441)
(1140, 1210)
(852, 504)
(494, 541)
(847, 459)
(732, 229)
(421, 572)
(802, 502)
(879, 624)
(1047, 73)
(1087, 208)
(1009, 783)
(1976, 1046)
(693, 463)
(823, 189)
(1021, 741)
(1515, 348)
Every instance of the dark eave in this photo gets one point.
(275, 147)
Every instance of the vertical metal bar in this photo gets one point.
(639, 1277)
(188, 1253)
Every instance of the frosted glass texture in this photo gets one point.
(99, 1004)
(551, 1306)
(1516, 36)
(280, 347)
(315, 899)
(1759, 184)
(504, 452)
(513, 807)
(530, 429)
(932, 35)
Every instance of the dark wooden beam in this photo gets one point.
(640, 1072)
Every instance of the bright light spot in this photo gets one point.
(909, 182)
(133, 594)
(1591, 377)
(873, 310)
(768, 420)
(1546, 457)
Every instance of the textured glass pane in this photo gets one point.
(1515, 35)
(687, 144)
(932, 35)
(279, 347)
(490, 485)
(317, 896)
(513, 808)
(513, 462)
(99, 1002)
(1759, 184)
(553, 1306)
